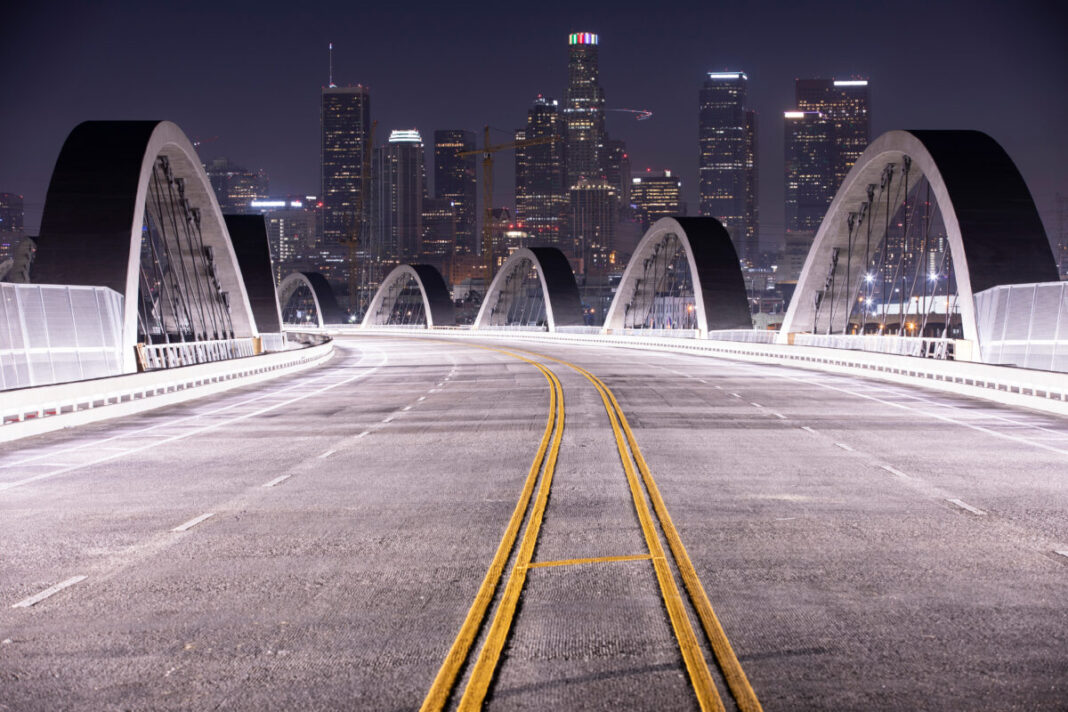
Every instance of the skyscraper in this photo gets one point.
(346, 128)
(11, 223)
(845, 103)
(656, 196)
(404, 180)
(810, 183)
(584, 110)
(824, 137)
(235, 186)
(617, 169)
(454, 184)
(728, 168)
(541, 190)
(593, 224)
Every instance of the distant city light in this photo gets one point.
(851, 83)
(793, 114)
(268, 203)
(727, 75)
(869, 278)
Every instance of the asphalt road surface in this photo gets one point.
(339, 540)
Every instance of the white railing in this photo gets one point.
(156, 356)
(921, 347)
(31, 411)
(749, 336)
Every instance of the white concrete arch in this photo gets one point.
(437, 303)
(563, 306)
(720, 300)
(326, 307)
(995, 235)
(98, 194)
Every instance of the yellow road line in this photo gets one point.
(443, 683)
(741, 690)
(700, 677)
(598, 560)
(482, 673)
(737, 682)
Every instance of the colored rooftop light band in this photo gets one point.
(793, 114)
(582, 38)
(851, 83)
(727, 75)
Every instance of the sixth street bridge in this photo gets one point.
(449, 523)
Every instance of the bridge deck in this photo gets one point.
(865, 546)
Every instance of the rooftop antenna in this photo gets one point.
(331, 54)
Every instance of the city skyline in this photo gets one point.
(265, 117)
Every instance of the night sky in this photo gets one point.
(250, 74)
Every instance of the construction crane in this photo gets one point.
(358, 223)
(487, 152)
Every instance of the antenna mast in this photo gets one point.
(331, 55)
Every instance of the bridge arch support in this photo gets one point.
(119, 185)
(327, 310)
(993, 229)
(563, 305)
(437, 302)
(702, 246)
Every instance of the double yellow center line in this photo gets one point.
(630, 455)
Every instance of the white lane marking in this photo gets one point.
(735, 395)
(279, 480)
(442, 383)
(936, 416)
(192, 522)
(718, 388)
(844, 447)
(434, 390)
(327, 454)
(701, 380)
(967, 507)
(805, 427)
(37, 598)
(756, 405)
(407, 407)
(97, 444)
(422, 398)
(1062, 553)
(388, 420)
(203, 429)
(895, 471)
(780, 416)
(364, 433)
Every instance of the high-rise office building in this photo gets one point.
(825, 135)
(617, 169)
(810, 184)
(845, 103)
(346, 133)
(584, 110)
(235, 186)
(1062, 235)
(292, 227)
(728, 168)
(541, 190)
(594, 211)
(403, 178)
(12, 215)
(454, 185)
(656, 196)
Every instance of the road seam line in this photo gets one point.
(594, 560)
(279, 480)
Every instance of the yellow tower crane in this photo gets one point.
(359, 224)
(487, 152)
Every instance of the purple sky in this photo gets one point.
(250, 74)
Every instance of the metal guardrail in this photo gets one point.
(31, 411)
(921, 347)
